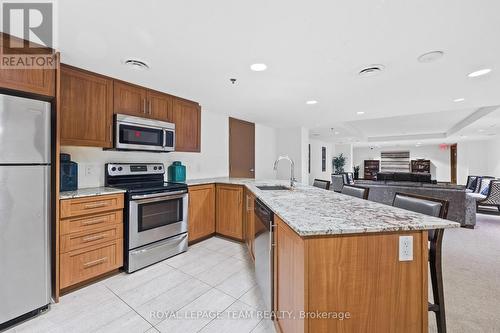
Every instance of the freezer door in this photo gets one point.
(24, 130)
(24, 240)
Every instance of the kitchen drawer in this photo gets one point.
(84, 264)
(90, 205)
(88, 223)
(78, 240)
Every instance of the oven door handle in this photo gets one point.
(159, 199)
(157, 195)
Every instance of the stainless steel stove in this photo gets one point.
(156, 213)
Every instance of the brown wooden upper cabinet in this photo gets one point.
(36, 81)
(89, 101)
(130, 99)
(160, 106)
(187, 120)
(86, 108)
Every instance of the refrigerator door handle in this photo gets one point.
(48, 236)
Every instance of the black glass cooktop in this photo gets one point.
(151, 187)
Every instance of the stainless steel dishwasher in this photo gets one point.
(264, 251)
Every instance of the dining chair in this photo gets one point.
(356, 191)
(437, 208)
(324, 184)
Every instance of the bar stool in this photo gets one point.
(438, 208)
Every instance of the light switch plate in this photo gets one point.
(405, 248)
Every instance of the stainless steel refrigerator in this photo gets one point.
(25, 179)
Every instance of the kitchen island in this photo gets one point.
(337, 265)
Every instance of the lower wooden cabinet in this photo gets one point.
(229, 211)
(90, 238)
(249, 222)
(80, 265)
(201, 218)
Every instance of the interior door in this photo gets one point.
(241, 149)
(453, 162)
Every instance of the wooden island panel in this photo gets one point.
(362, 275)
(290, 283)
(356, 274)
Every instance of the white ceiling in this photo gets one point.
(313, 50)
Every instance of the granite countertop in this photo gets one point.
(312, 211)
(89, 192)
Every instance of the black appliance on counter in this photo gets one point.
(68, 174)
(156, 213)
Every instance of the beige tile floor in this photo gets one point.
(213, 277)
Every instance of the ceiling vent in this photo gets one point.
(137, 64)
(371, 70)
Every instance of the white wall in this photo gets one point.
(265, 152)
(211, 162)
(493, 153)
(347, 151)
(440, 159)
(316, 171)
(293, 142)
(478, 158)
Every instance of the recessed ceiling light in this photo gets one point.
(480, 72)
(480, 130)
(360, 113)
(456, 100)
(371, 70)
(312, 102)
(136, 64)
(430, 56)
(258, 67)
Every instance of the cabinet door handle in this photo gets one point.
(149, 107)
(95, 262)
(93, 238)
(111, 133)
(95, 221)
(95, 205)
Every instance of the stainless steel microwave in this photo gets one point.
(135, 133)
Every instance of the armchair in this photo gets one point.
(493, 197)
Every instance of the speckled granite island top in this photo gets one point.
(312, 211)
(89, 192)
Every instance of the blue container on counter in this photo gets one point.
(177, 172)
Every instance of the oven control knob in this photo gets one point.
(159, 168)
(120, 168)
(113, 169)
(155, 168)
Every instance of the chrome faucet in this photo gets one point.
(292, 165)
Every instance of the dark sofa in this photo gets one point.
(418, 177)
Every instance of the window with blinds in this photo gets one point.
(395, 161)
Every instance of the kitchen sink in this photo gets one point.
(273, 188)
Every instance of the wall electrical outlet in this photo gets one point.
(89, 170)
(405, 248)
